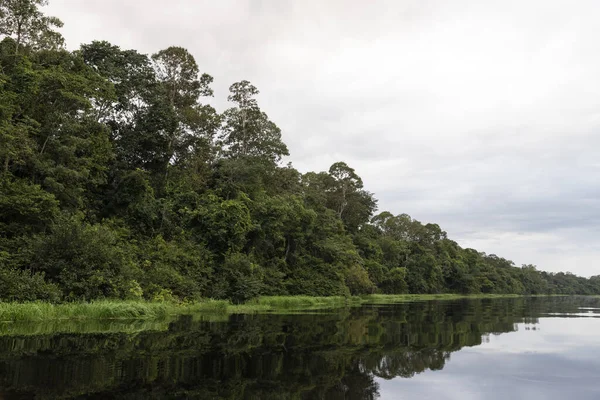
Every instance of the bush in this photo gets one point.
(239, 279)
(86, 261)
(358, 282)
(395, 282)
(25, 208)
(376, 271)
(18, 285)
(179, 266)
(313, 277)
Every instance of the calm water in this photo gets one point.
(467, 349)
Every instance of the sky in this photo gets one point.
(480, 115)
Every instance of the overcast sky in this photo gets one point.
(481, 116)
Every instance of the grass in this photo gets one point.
(295, 302)
(150, 311)
(108, 309)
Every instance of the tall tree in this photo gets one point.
(132, 78)
(138, 113)
(345, 181)
(177, 69)
(28, 26)
(248, 131)
(17, 85)
(347, 197)
(189, 142)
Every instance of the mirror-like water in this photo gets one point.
(525, 348)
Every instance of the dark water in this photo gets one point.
(536, 348)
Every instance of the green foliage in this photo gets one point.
(281, 303)
(345, 195)
(358, 282)
(395, 281)
(312, 276)
(25, 208)
(23, 21)
(117, 180)
(238, 279)
(175, 269)
(17, 285)
(221, 224)
(86, 261)
(248, 132)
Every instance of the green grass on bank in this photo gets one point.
(109, 309)
(303, 302)
(140, 310)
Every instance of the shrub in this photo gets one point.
(358, 282)
(395, 281)
(18, 285)
(86, 261)
(239, 279)
(180, 266)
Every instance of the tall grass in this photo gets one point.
(106, 309)
(299, 302)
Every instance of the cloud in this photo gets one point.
(481, 116)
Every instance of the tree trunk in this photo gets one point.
(244, 135)
(19, 34)
(287, 249)
(44, 145)
(343, 202)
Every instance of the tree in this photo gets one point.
(176, 68)
(344, 182)
(25, 209)
(138, 114)
(189, 142)
(17, 143)
(72, 150)
(86, 261)
(131, 77)
(347, 197)
(248, 131)
(23, 21)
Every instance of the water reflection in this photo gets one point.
(558, 360)
(350, 354)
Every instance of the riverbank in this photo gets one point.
(141, 310)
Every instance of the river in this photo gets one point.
(512, 348)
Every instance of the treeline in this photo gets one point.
(119, 180)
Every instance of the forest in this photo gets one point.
(119, 180)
